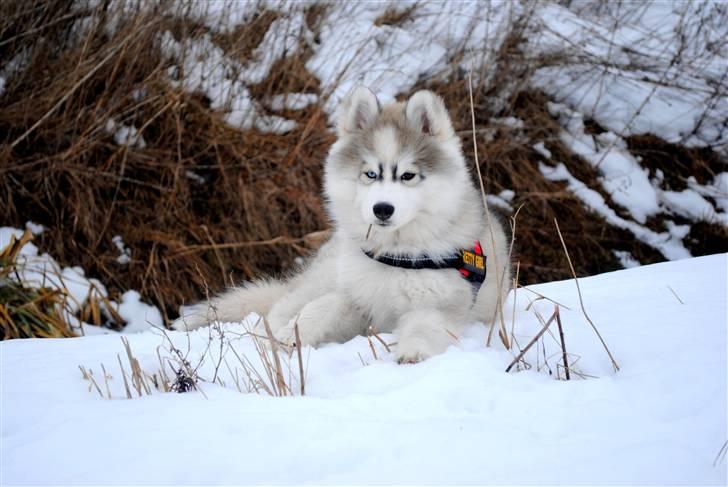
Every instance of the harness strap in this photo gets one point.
(469, 262)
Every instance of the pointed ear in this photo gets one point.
(357, 111)
(426, 113)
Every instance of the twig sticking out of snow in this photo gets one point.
(380, 340)
(533, 340)
(371, 346)
(300, 359)
(499, 274)
(185, 378)
(540, 296)
(721, 454)
(106, 381)
(271, 379)
(123, 375)
(581, 300)
(371, 332)
(675, 294)
(88, 375)
(137, 375)
(515, 300)
(280, 380)
(563, 344)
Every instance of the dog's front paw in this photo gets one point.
(413, 351)
(285, 334)
(421, 335)
(408, 360)
(308, 332)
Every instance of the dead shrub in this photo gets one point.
(196, 182)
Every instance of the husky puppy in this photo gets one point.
(407, 220)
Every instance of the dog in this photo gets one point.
(413, 251)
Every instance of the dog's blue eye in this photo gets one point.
(371, 174)
(407, 176)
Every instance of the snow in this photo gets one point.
(690, 204)
(501, 201)
(651, 68)
(203, 67)
(720, 186)
(195, 177)
(381, 56)
(292, 101)
(391, 59)
(541, 149)
(138, 315)
(457, 418)
(626, 259)
(281, 40)
(221, 15)
(668, 244)
(41, 270)
(718, 189)
(12, 66)
(510, 122)
(35, 228)
(124, 251)
(629, 186)
(622, 177)
(125, 134)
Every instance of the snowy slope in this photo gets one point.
(456, 418)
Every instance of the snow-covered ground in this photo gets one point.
(456, 418)
(634, 68)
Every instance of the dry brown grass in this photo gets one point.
(68, 174)
(45, 307)
(395, 16)
(25, 311)
(268, 370)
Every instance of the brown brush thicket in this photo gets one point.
(203, 204)
(196, 183)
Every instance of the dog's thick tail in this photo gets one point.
(234, 305)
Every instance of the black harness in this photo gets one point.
(470, 263)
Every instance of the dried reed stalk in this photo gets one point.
(277, 370)
(371, 347)
(533, 340)
(379, 339)
(581, 300)
(123, 374)
(88, 375)
(563, 344)
(498, 312)
(301, 375)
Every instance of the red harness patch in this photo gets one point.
(473, 264)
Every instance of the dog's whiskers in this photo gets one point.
(368, 231)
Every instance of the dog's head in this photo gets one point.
(393, 165)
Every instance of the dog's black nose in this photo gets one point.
(383, 211)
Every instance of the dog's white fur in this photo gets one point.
(342, 291)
